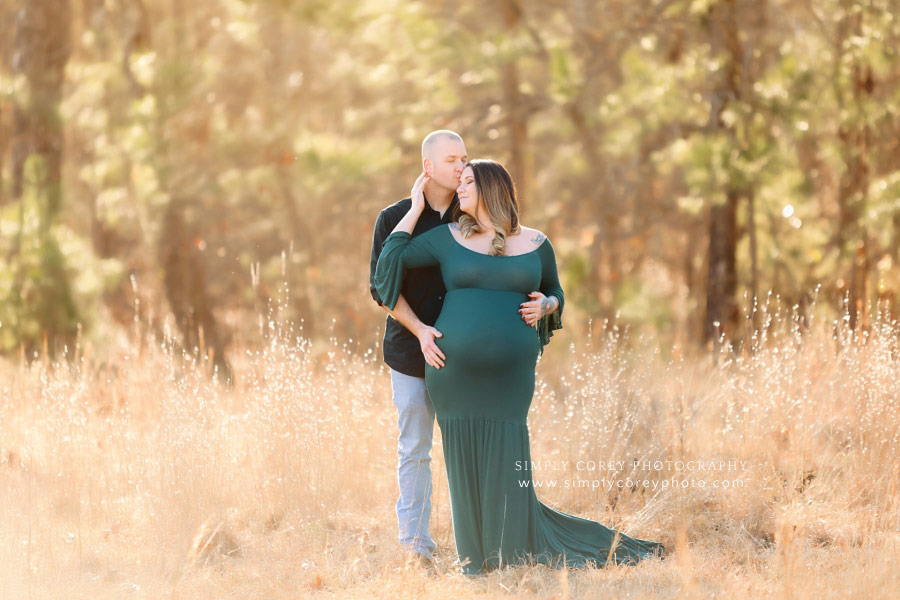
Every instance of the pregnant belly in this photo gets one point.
(483, 330)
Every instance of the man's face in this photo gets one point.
(446, 162)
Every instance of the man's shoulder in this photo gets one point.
(397, 209)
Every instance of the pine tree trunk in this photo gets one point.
(517, 119)
(41, 51)
(721, 280)
(41, 41)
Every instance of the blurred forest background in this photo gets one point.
(200, 163)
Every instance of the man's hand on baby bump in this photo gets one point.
(431, 352)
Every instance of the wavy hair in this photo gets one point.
(498, 193)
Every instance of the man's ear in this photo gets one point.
(426, 164)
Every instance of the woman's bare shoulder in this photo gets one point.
(534, 236)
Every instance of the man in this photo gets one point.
(409, 337)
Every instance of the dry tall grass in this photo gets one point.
(142, 479)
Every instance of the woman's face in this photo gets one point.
(468, 193)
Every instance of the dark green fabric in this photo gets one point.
(481, 399)
(423, 289)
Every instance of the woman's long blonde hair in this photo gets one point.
(498, 193)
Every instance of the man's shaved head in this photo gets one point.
(443, 158)
(431, 139)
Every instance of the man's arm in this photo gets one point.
(402, 312)
(425, 333)
(405, 315)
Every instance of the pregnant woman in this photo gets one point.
(482, 386)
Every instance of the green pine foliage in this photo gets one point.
(281, 128)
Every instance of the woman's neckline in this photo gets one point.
(461, 245)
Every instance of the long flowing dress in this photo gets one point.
(481, 399)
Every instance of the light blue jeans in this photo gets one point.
(416, 424)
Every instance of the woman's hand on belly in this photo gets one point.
(537, 307)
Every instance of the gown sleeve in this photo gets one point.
(383, 228)
(401, 251)
(550, 286)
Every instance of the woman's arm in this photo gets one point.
(549, 299)
(401, 251)
(539, 306)
(417, 197)
(549, 304)
(551, 316)
(402, 311)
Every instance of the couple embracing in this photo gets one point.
(473, 296)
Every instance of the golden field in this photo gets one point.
(136, 476)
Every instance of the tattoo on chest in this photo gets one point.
(454, 226)
(538, 239)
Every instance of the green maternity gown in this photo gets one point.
(481, 399)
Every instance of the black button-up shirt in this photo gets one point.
(423, 288)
